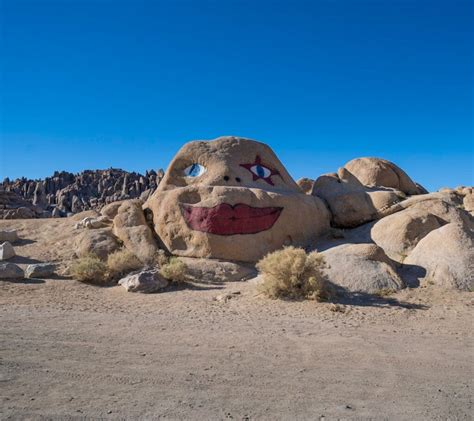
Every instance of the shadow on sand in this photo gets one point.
(23, 260)
(25, 281)
(362, 299)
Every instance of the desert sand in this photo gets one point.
(76, 351)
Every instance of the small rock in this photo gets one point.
(6, 251)
(40, 270)
(10, 271)
(145, 281)
(226, 297)
(8, 235)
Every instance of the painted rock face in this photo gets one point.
(231, 198)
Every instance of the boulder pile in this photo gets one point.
(66, 193)
(222, 205)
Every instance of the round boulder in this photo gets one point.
(131, 227)
(361, 268)
(350, 203)
(447, 255)
(400, 232)
(111, 210)
(377, 172)
(100, 242)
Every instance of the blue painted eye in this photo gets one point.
(194, 170)
(260, 171)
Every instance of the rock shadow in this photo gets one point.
(411, 275)
(25, 281)
(23, 242)
(193, 286)
(23, 260)
(363, 299)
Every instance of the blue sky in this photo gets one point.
(93, 84)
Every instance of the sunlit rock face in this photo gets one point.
(231, 198)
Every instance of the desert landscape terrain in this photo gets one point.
(223, 351)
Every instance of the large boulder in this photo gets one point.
(131, 227)
(377, 172)
(447, 256)
(232, 199)
(216, 271)
(10, 271)
(100, 242)
(468, 201)
(400, 232)
(352, 204)
(6, 251)
(446, 206)
(361, 268)
(111, 210)
(145, 281)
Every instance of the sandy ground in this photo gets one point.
(75, 351)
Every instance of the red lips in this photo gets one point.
(225, 219)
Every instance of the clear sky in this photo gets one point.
(93, 84)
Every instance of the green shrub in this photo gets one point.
(174, 270)
(291, 273)
(89, 268)
(122, 262)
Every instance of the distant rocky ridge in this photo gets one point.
(66, 193)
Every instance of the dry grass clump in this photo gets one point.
(291, 273)
(174, 270)
(122, 262)
(89, 268)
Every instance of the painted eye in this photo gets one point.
(260, 171)
(194, 170)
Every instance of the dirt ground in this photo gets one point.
(75, 351)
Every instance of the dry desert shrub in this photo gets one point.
(291, 273)
(174, 270)
(122, 262)
(89, 268)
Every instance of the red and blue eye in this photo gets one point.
(261, 171)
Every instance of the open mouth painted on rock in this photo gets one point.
(225, 219)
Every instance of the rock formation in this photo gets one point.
(377, 172)
(231, 198)
(361, 268)
(66, 193)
